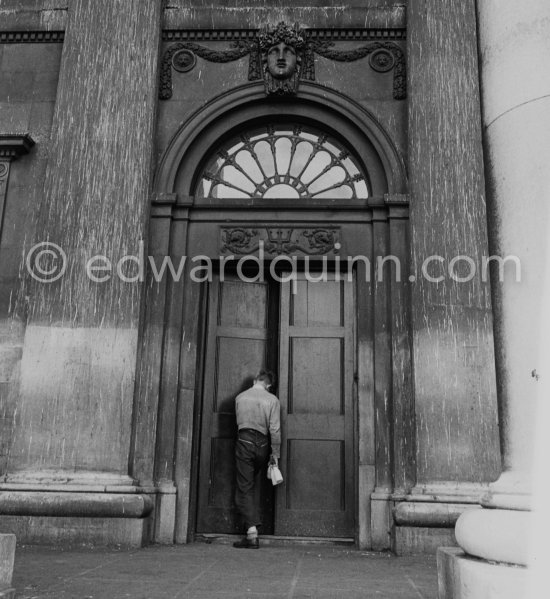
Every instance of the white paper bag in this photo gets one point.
(274, 474)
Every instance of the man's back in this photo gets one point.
(259, 410)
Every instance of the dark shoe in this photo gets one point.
(247, 543)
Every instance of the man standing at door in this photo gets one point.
(258, 413)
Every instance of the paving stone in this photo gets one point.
(200, 571)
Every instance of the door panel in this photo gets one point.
(237, 346)
(310, 390)
(311, 489)
(316, 393)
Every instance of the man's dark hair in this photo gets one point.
(267, 377)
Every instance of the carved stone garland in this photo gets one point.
(277, 241)
(383, 57)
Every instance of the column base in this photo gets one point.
(424, 519)
(125, 533)
(421, 540)
(83, 515)
(464, 577)
(496, 535)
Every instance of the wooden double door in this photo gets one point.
(303, 330)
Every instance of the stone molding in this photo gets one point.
(14, 145)
(228, 35)
(51, 504)
(412, 513)
(218, 35)
(32, 37)
(449, 492)
(496, 535)
(396, 199)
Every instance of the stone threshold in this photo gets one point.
(276, 541)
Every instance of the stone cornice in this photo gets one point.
(215, 35)
(385, 16)
(39, 15)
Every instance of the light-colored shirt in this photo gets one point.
(260, 410)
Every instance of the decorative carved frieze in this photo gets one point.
(239, 50)
(283, 56)
(384, 56)
(276, 241)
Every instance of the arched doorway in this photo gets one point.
(299, 179)
(299, 323)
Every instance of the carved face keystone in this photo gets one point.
(281, 61)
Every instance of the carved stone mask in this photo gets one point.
(281, 61)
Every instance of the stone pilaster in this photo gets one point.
(454, 377)
(74, 412)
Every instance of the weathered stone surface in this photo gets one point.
(165, 517)
(7, 556)
(29, 74)
(418, 540)
(230, 13)
(21, 15)
(126, 533)
(78, 365)
(57, 385)
(454, 376)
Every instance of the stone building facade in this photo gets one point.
(136, 132)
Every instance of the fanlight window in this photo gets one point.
(282, 162)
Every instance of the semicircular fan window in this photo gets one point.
(283, 162)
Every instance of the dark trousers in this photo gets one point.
(251, 455)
